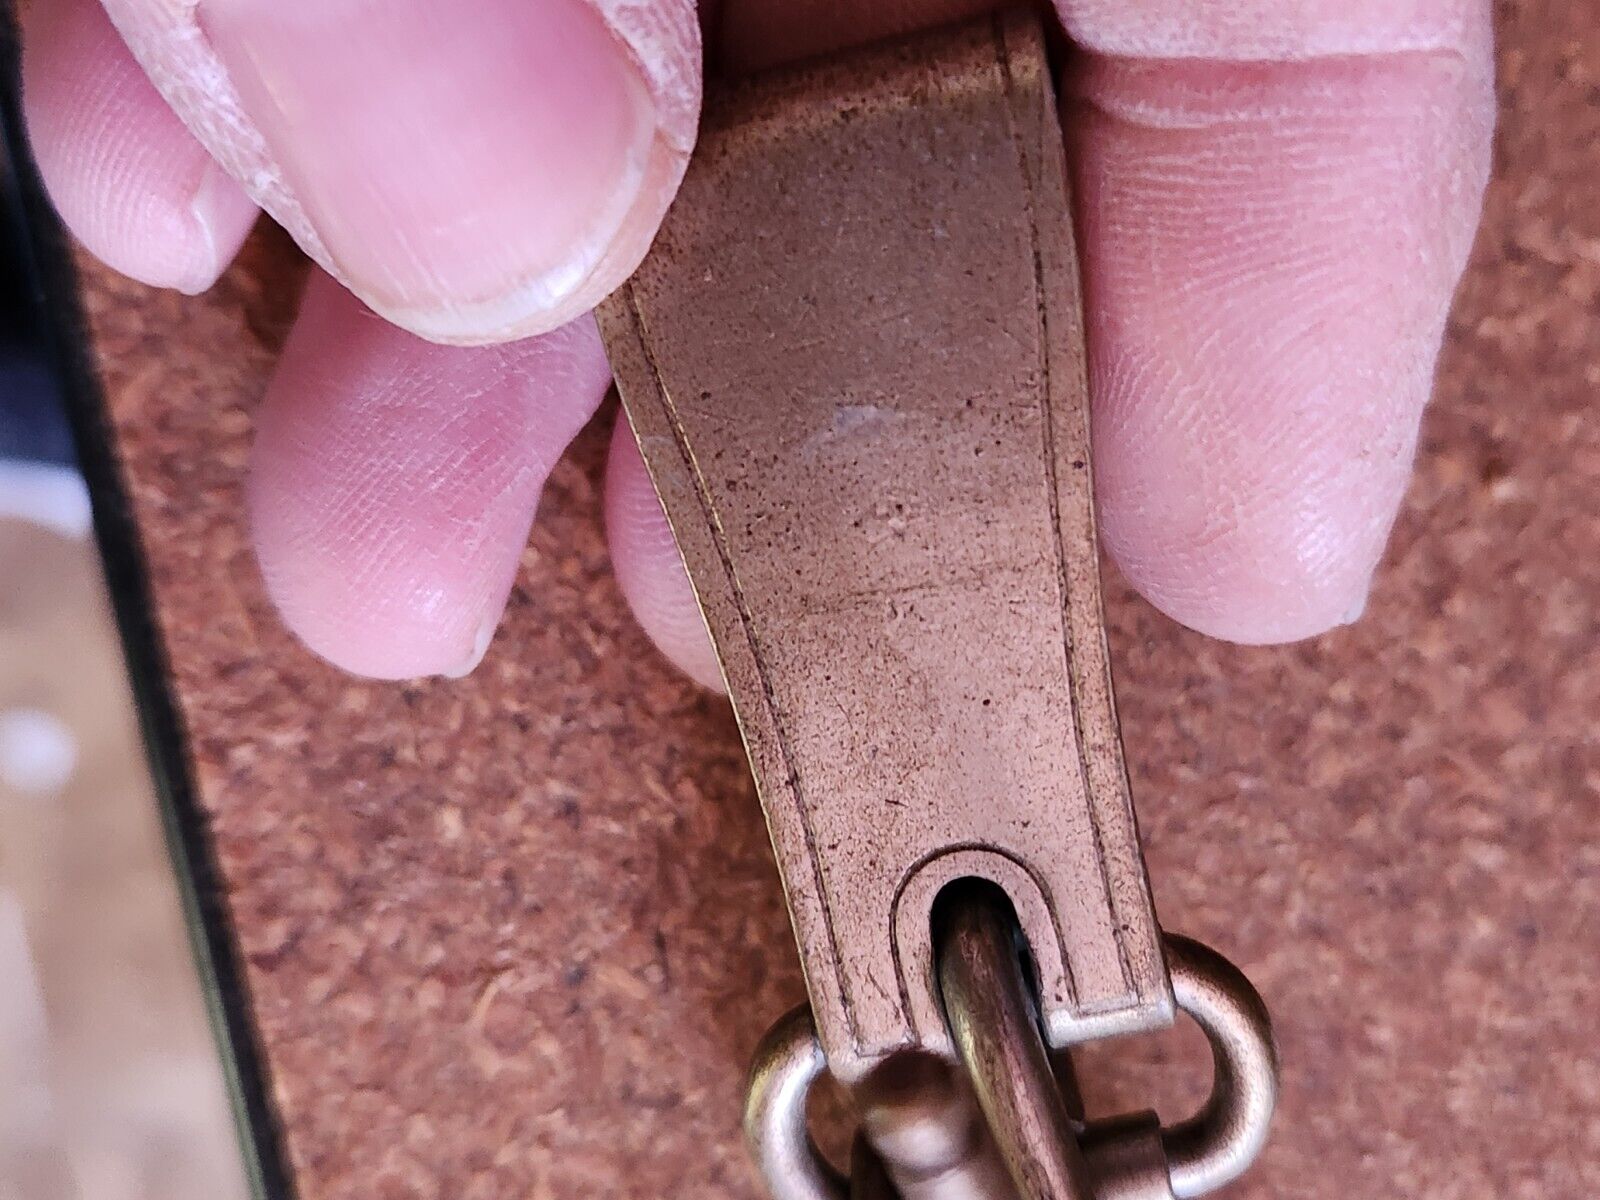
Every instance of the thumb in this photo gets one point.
(475, 171)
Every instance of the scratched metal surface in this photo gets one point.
(907, 611)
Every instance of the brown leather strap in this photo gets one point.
(854, 363)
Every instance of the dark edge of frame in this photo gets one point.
(54, 288)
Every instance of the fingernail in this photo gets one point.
(480, 647)
(466, 167)
(1354, 612)
(223, 215)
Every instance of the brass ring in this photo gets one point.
(1215, 1145)
(988, 1002)
(994, 1023)
(787, 1062)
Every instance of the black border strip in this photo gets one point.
(52, 286)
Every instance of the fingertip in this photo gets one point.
(649, 569)
(393, 481)
(127, 178)
(1270, 254)
(498, 188)
(222, 217)
(1252, 590)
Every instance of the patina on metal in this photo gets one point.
(1032, 1130)
(1050, 1152)
(854, 364)
(925, 1132)
(996, 1032)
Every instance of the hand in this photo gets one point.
(1276, 199)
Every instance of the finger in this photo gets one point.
(128, 179)
(393, 481)
(475, 172)
(1276, 203)
(648, 566)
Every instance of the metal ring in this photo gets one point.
(1216, 1144)
(993, 1021)
(995, 1027)
(787, 1062)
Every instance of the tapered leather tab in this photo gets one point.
(854, 363)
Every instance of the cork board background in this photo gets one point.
(517, 935)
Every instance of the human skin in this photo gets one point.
(1275, 201)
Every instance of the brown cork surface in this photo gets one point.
(517, 935)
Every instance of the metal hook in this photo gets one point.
(1048, 1155)
(991, 1013)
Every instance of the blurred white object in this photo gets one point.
(47, 495)
(37, 752)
